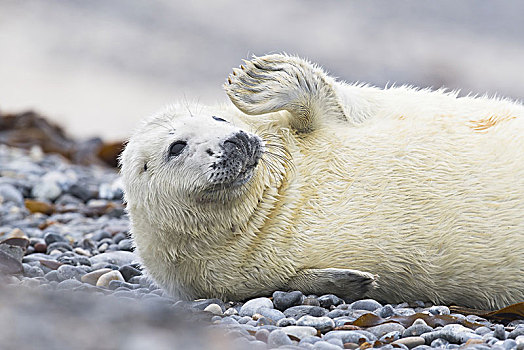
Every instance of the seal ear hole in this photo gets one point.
(145, 166)
(176, 148)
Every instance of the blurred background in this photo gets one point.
(96, 67)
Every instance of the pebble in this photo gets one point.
(419, 327)
(328, 300)
(499, 332)
(297, 312)
(366, 304)
(214, 309)
(262, 335)
(9, 193)
(92, 277)
(322, 324)
(278, 338)
(129, 271)
(439, 310)
(287, 321)
(272, 314)
(386, 311)
(285, 300)
(347, 336)
(410, 342)
(381, 330)
(119, 258)
(299, 331)
(103, 281)
(323, 345)
(251, 307)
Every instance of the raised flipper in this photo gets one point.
(345, 283)
(278, 82)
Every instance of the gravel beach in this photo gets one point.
(70, 280)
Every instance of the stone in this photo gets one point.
(92, 277)
(285, 300)
(309, 340)
(410, 342)
(385, 328)
(439, 310)
(302, 310)
(366, 304)
(520, 342)
(255, 345)
(11, 259)
(32, 271)
(499, 332)
(59, 247)
(347, 336)
(482, 330)
(9, 193)
(310, 301)
(198, 304)
(417, 329)
(251, 306)
(386, 311)
(509, 344)
(323, 345)
(278, 338)
(288, 321)
(338, 313)
(390, 337)
(322, 324)
(328, 300)
(119, 258)
(453, 335)
(262, 335)
(439, 343)
(214, 309)
(52, 276)
(103, 281)
(126, 244)
(299, 331)
(272, 314)
(231, 312)
(66, 272)
(51, 237)
(518, 331)
(69, 284)
(129, 271)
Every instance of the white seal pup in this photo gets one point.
(396, 194)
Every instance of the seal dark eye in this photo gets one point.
(218, 119)
(176, 148)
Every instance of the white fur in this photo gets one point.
(419, 187)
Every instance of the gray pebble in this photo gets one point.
(439, 310)
(32, 271)
(299, 331)
(499, 332)
(129, 271)
(518, 331)
(347, 336)
(69, 284)
(66, 272)
(251, 306)
(328, 300)
(285, 300)
(338, 313)
(386, 311)
(125, 244)
(272, 314)
(52, 276)
(298, 311)
(9, 193)
(323, 345)
(119, 258)
(59, 246)
(262, 335)
(366, 304)
(336, 341)
(390, 337)
(482, 330)
(322, 324)
(256, 345)
(311, 301)
(309, 340)
(416, 330)
(52, 237)
(287, 321)
(509, 344)
(385, 328)
(439, 343)
(278, 338)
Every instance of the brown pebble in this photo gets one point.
(92, 277)
(17, 233)
(366, 345)
(473, 342)
(17, 241)
(40, 247)
(39, 207)
(53, 265)
(350, 346)
(410, 342)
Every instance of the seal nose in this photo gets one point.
(248, 146)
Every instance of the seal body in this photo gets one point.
(307, 183)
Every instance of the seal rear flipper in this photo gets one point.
(345, 283)
(279, 82)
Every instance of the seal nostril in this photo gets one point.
(209, 151)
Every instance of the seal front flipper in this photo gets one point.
(278, 82)
(345, 283)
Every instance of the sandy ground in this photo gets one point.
(99, 66)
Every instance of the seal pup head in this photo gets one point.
(183, 158)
